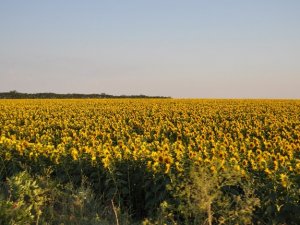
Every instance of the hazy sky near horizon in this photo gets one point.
(182, 49)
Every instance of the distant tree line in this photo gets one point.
(49, 95)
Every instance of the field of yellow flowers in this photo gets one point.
(139, 153)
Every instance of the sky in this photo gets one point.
(182, 49)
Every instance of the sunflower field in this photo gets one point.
(154, 161)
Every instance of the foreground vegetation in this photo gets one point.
(160, 161)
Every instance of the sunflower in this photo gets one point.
(284, 180)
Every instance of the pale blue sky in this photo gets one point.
(198, 49)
